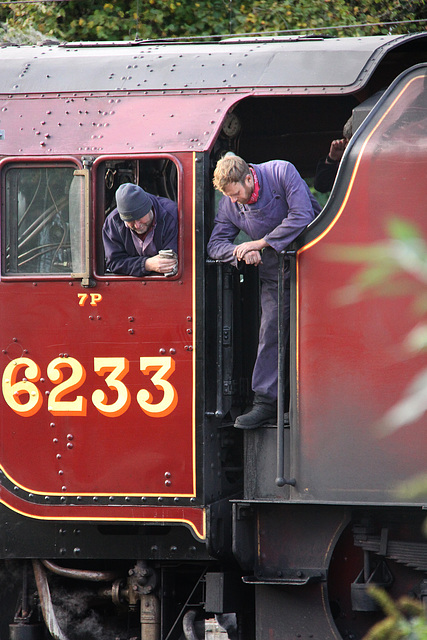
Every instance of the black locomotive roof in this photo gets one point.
(344, 63)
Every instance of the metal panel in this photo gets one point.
(352, 363)
(86, 460)
(232, 64)
(260, 467)
(102, 124)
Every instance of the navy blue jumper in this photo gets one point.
(122, 246)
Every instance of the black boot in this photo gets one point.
(264, 411)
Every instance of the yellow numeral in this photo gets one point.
(56, 405)
(164, 367)
(119, 367)
(13, 390)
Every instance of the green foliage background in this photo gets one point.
(73, 20)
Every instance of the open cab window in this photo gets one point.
(44, 213)
(160, 176)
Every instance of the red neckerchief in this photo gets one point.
(255, 192)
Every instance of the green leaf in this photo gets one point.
(402, 229)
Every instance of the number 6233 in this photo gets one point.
(25, 398)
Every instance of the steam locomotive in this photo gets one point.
(130, 507)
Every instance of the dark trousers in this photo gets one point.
(265, 373)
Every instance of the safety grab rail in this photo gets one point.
(219, 413)
(281, 481)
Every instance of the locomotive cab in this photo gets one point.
(359, 454)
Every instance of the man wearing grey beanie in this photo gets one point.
(140, 236)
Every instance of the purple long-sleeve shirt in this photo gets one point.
(284, 208)
(125, 253)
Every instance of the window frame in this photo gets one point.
(97, 197)
(25, 162)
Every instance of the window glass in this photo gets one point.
(43, 209)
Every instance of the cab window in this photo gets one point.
(43, 212)
(158, 176)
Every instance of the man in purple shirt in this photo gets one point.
(140, 236)
(272, 204)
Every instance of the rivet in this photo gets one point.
(172, 351)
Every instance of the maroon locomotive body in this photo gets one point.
(123, 480)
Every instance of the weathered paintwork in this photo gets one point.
(246, 63)
(110, 455)
(353, 360)
(91, 444)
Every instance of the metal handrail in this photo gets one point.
(281, 481)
